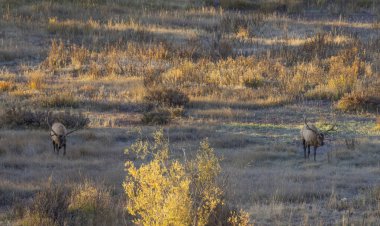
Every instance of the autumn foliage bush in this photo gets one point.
(165, 191)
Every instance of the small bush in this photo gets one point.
(60, 100)
(162, 115)
(84, 204)
(19, 117)
(353, 102)
(158, 116)
(368, 100)
(90, 205)
(158, 191)
(183, 193)
(166, 97)
(49, 207)
(238, 218)
(253, 82)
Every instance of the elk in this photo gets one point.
(311, 136)
(58, 134)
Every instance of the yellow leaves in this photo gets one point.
(240, 218)
(168, 192)
(140, 148)
(158, 194)
(207, 164)
(158, 191)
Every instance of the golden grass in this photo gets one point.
(72, 27)
(36, 79)
(377, 123)
(248, 76)
(6, 86)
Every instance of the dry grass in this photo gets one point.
(242, 78)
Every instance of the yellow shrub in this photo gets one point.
(240, 218)
(158, 191)
(205, 169)
(166, 192)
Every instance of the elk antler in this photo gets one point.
(77, 126)
(308, 127)
(72, 131)
(51, 128)
(332, 128)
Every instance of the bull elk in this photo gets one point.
(58, 134)
(311, 136)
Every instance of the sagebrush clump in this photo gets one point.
(25, 117)
(49, 207)
(82, 204)
(169, 97)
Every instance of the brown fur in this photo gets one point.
(58, 134)
(311, 136)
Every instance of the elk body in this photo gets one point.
(311, 137)
(58, 134)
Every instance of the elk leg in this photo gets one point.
(315, 153)
(304, 147)
(308, 151)
(53, 146)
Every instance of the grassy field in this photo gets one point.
(242, 74)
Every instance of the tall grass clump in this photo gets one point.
(36, 79)
(49, 207)
(82, 204)
(91, 205)
(58, 100)
(343, 72)
(165, 191)
(61, 56)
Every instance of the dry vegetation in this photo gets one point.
(241, 73)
